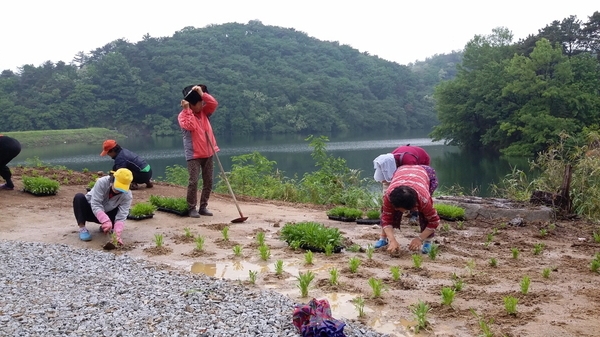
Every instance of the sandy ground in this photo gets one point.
(564, 304)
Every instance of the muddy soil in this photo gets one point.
(564, 304)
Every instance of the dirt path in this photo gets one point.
(565, 304)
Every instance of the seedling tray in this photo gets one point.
(450, 218)
(168, 210)
(368, 221)
(40, 194)
(341, 218)
(140, 217)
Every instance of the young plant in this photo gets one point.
(543, 232)
(546, 272)
(353, 263)
(295, 245)
(333, 276)
(538, 248)
(252, 276)
(493, 262)
(596, 237)
(355, 248)
(329, 250)
(460, 225)
(176, 204)
(308, 257)
(264, 251)
(304, 280)
(490, 238)
(515, 253)
(377, 287)
(237, 250)
(448, 296)
(199, 243)
(457, 283)
(279, 267)
(225, 232)
(373, 214)
(450, 211)
(396, 272)
(260, 238)
(40, 185)
(484, 325)
(370, 251)
(420, 311)
(434, 251)
(494, 232)
(158, 240)
(359, 304)
(510, 304)
(142, 209)
(114, 239)
(188, 232)
(311, 234)
(525, 285)
(446, 227)
(551, 227)
(470, 267)
(417, 261)
(595, 266)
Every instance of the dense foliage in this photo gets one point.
(267, 79)
(311, 235)
(517, 98)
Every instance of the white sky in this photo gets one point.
(34, 31)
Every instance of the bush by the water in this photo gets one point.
(176, 204)
(311, 234)
(142, 209)
(40, 185)
(450, 211)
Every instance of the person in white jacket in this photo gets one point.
(107, 204)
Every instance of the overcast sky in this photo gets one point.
(34, 31)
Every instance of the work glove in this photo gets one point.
(119, 226)
(105, 221)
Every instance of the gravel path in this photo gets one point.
(55, 290)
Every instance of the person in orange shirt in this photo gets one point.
(199, 144)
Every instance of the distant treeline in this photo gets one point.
(267, 80)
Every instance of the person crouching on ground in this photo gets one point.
(141, 170)
(9, 149)
(408, 191)
(199, 144)
(107, 204)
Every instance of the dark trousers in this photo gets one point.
(9, 149)
(194, 167)
(422, 222)
(83, 210)
(142, 177)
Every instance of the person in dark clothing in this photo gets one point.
(142, 173)
(9, 149)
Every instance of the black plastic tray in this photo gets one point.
(139, 217)
(40, 194)
(368, 221)
(341, 218)
(168, 210)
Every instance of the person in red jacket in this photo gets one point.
(199, 144)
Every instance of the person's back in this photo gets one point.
(129, 160)
(411, 155)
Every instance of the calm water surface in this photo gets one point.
(292, 154)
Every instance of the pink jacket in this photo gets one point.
(194, 128)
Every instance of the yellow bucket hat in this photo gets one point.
(123, 178)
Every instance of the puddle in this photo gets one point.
(236, 270)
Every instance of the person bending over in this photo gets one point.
(141, 170)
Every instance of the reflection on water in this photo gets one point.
(293, 156)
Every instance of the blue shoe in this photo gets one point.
(84, 234)
(426, 247)
(380, 243)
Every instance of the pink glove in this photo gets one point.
(119, 226)
(105, 221)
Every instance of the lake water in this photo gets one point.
(292, 154)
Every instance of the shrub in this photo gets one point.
(177, 204)
(142, 208)
(373, 214)
(346, 212)
(311, 235)
(40, 185)
(450, 211)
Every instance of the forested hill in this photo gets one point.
(267, 80)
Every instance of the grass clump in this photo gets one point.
(142, 209)
(308, 258)
(158, 240)
(515, 253)
(237, 250)
(304, 280)
(396, 272)
(450, 211)
(377, 287)
(334, 276)
(199, 243)
(546, 272)
(417, 261)
(359, 304)
(345, 212)
(265, 252)
(420, 310)
(373, 214)
(279, 267)
(525, 282)
(353, 264)
(40, 185)
(448, 296)
(538, 248)
(311, 235)
(510, 304)
(176, 204)
(595, 264)
(433, 251)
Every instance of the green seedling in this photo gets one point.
(354, 248)
(551, 227)
(543, 232)
(396, 272)
(377, 287)
(596, 237)
(515, 253)
(158, 240)
(333, 276)
(494, 232)
(279, 267)
(113, 239)
(490, 237)
(308, 257)
(188, 232)
(457, 283)
(434, 251)
(295, 245)
(237, 250)
(304, 280)
(525, 282)
(470, 267)
(265, 252)
(370, 251)
(260, 238)
(538, 248)
(446, 227)
(493, 262)
(546, 272)
(225, 232)
(460, 225)
(252, 276)
(417, 261)
(359, 304)
(329, 250)
(447, 296)
(510, 304)
(484, 325)
(595, 266)
(199, 243)
(353, 263)
(420, 311)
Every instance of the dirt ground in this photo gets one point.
(566, 303)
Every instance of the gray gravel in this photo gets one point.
(56, 290)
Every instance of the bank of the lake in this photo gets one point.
(44, 138)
